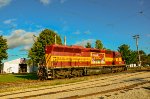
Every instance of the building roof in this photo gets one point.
(16, 61)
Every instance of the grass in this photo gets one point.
(7, 78)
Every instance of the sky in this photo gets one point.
(114, 22)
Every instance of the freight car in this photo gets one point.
(68, 61)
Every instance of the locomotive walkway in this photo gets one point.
(120, 86)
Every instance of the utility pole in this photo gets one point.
(136, 37)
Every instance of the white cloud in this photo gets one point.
(148, 35)
(20, 38)
(62, 1)
(9, 21)
(4, 3)
(1, 32)
(25, 48)
(39, 26)
(87, 32)
(77, 32)
(141, 2)
(46, 2)
(84, 42)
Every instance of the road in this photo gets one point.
(120, 86)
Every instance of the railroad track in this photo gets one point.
(108, 91)
(130, 80)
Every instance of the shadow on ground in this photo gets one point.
(28, 76)
(148, 88)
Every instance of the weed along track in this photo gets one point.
(97, 86)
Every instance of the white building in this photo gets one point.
(11, 66)
(17, 66)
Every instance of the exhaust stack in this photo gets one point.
(55, 38)
(65, 40)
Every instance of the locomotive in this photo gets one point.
(68, 61)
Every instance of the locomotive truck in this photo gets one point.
(69, 61)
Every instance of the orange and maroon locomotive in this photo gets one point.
(68, 61)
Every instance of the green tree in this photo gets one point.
(125, 52)
(98, 44)
(29, 62)
(133, 57)
(88, 45)
(148, 59)
(46, 37)
(145, 59)
(3, 49)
